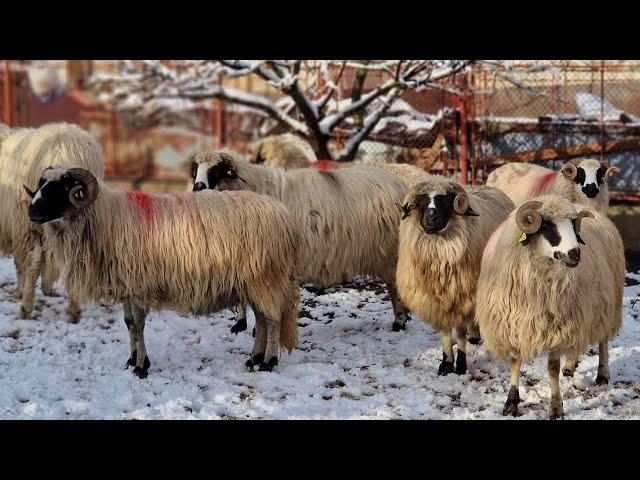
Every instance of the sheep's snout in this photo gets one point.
(199, 186)
(570, 259)
(591, 190)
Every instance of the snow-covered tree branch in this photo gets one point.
(315, 88)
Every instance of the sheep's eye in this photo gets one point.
(231, 173)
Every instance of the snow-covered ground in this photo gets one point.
(348, 365)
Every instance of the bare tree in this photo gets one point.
(308, 88)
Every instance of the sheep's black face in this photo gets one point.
(589, 179)
(210, 176)
(435, 211)
(51, 199)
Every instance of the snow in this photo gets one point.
(348, 365)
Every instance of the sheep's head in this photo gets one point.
(436, 203)
(61, 192)
(551, 226)
(588, 175)
(216, 171)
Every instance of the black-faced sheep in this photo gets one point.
(442, 235)
(539, 290)
(24, 155)
(196, 253)
(579, 181)
(348, 218)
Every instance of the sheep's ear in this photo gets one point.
(405, 209)
(29, 192)
(580, 240)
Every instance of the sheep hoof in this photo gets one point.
(50, 293)
(239, 326)
(24, 315)
(132, 360)
(511, 405)
(140, 372)
(445, 368)
(475, 341)
(602, 380)
(73, 317)
(397, 326)
(567, 372)
(253, 332)
(256, 359)
(461, 363)
(556, 412)
(268, 366)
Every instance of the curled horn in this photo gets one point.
(582, 214)
(83, 195)
(608, 175)
(461, 202)
(569, 170)
(29, 192)
(528, 218)
(225, 156)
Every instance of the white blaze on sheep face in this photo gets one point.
(558, 240)
(214, 175)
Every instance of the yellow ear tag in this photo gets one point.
(523, 237)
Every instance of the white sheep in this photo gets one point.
(348, 217)
(284, 151)
(189, 252)
(540, 291)
(443, 233)
(579, 181)
(24, 155)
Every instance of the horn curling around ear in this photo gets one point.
(83, 195)
(582, 214)
(569, 170)
(528, 217)
(461, 204)
(608, 175)
(29, 192)
(408, 204)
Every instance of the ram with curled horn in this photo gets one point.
(445, 228)
(584, 181)
(542, 289)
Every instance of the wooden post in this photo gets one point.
(220, 130)
(602, 110)
(6, 100)
(115, 168)
(464, 160)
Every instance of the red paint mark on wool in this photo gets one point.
(540, 187)
(142, 201)
(489, 248)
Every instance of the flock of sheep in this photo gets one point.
(529, 263)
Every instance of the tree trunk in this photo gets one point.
(320, 145)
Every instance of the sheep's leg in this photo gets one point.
(142, 365)
(461, 358)
(259, 343)
(241, 319)
(19, 277)
(29, 288)
(446, 366)
(513, 398)
(128, 321)
(73, 311)
(553, 366)
(571, 364)
(474, 334)
(603, 364)
(48, 278)
(400, 312)
(273, 344)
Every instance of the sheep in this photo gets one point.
(442, 235)
(540, 291)
(24, 155)
(583, 181)
(408, 174)
(192, 253)
(285, 151)
(348, 217)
